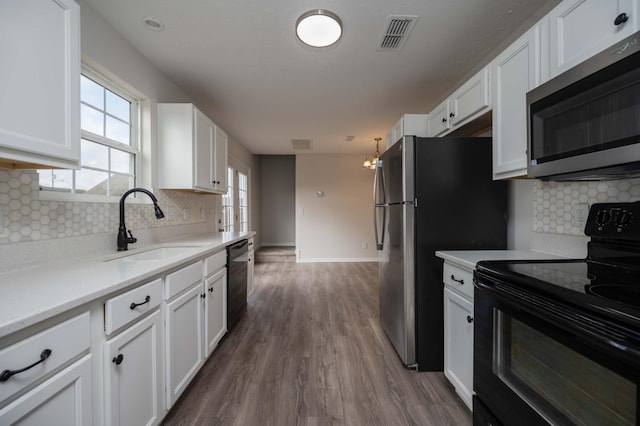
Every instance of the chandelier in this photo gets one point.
(370, 162)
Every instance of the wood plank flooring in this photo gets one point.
(310, 351)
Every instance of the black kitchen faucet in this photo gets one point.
(123, 239)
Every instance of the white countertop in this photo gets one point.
(469, 258)
(34, 294)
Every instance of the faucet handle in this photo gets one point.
(131, 238)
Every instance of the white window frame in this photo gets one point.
(134, 147)
(227, 226)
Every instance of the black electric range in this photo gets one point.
(558, 341)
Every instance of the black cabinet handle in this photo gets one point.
(461, 281)
(469, 319)
(134, 305)
(117, 360)
(444, 119)
(621, 19)
(451, 115)
(6, 374)
(203, 295)
(210, 289)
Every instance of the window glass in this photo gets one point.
(108, 148)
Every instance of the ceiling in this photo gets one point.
(240, 62)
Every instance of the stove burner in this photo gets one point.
(627, 295)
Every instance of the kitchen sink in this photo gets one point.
(159, 253)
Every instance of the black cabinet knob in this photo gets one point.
(621, 19)
(444, 119)
(117, 360)
(469, 319)
(451, 115)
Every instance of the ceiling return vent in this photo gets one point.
(301, 144)
(397, 31)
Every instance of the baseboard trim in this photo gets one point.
(336, 260)
(278, 244)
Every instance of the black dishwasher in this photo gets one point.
(236, 282)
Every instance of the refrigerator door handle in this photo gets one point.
(376, 205)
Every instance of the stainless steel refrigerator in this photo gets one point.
(430, 194)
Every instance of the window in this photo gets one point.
(243, 202)
(235, 203)
(109, 145)
(227, 204)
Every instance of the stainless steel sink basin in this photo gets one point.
(159, 253)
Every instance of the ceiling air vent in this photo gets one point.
(301, 144)
(397, 31)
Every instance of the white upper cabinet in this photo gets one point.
(40, 107)
(465, 104)
(516, 71)
(470, 99)
(192, 150)
(439, 121)
(219, 171)
(408, 125)
(581, 28)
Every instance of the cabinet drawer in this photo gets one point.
(125, 308)
(458, 279)
(177, 282)
(65, 341)
(215, 262)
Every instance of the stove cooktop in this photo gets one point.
(607, 281)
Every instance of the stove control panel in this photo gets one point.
(614, 220)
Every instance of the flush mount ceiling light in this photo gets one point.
(319, 28)
(152, 24)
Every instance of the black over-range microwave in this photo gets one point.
(585, 123)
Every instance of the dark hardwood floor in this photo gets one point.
(310, 351)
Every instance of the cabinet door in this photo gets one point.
(203, 127)
(470, 99)
(515, 72)
(133, 381)
(220, 161)
(40, 108)
(439, 121)
(184, 318)
(215, 310)
(458, 344)
(581, 28)
(65, 399)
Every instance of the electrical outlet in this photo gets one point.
(579, 214)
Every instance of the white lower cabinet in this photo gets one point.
(458, 336)
(458, 329)
(64, 399)
(215, 310)
(133, 374)
(184, 349)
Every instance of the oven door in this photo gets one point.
(537, 362)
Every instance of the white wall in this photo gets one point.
(334, 227)
(278, 184)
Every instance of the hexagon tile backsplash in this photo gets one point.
(553, 202)
(28, 218)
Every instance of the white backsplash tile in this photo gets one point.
(554, 201)
(27, 218)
